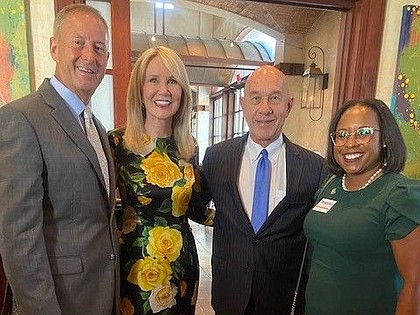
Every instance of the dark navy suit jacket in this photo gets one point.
(265, 264)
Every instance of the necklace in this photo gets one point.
(369, 181)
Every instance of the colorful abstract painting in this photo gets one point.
(406, 94)
(14, 63)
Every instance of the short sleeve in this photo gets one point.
(403, 213)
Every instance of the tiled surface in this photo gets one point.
(203, 238)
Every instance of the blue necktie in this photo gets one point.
(261, 191)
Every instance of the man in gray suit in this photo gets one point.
(257, 250)
(57, 228)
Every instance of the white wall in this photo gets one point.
(299, 127)
(41, 24)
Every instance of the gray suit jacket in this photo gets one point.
(57, 227)
(264, 265)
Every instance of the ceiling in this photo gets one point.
(285, 19)
(218, 69)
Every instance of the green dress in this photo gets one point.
(159, 262)
(353, 271)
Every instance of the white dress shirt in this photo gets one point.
(277, 156)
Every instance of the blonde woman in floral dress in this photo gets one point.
(154, 157)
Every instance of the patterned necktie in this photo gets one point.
(95, 141)
(261, 191)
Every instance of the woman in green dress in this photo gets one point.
(364, 226)
(154, 157)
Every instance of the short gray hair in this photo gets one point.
(78, 7)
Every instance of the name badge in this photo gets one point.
(324, 205)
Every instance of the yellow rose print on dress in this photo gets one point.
(181, 196)
(162, 297)
(130, 220)
(164, 242)
(144, 201)
(160, 170)
(150, 272)
(159, 263)
(116, 140)
(183, 286)
(189, 174)
(126, 307)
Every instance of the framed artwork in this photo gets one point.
(14, 60)
(405, 103)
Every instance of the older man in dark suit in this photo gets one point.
(262, 186)
(57, 229)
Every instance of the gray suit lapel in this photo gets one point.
(64, 117)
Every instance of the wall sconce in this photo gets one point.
(315, 81)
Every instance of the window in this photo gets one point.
(218, 118)
(239, 124)
(227, 119)
(194, 130)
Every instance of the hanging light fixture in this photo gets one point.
(315, 81)
(153, 38)
(162, 6)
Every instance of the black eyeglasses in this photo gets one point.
(362, 136)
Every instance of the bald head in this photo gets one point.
(266, 104)
(268, 73)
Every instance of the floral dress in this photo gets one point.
(159, 263)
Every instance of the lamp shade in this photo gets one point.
(312, 91)
(315, 81)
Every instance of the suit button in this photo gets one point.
(111, 256)
(248, 269)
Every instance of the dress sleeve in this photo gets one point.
(403, 213)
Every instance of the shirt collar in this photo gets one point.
(72, 100)
(254, 148)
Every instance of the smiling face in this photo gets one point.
(161, 96)
(359, 160)
(80, 52)
(266, 104)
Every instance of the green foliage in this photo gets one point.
(166, 206)
(160, 221)
(161, 146)
(140, 242)
(145, 295)
(178, 270)
(181, 182)
(146, 306)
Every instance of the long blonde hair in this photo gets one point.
(135, 132)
